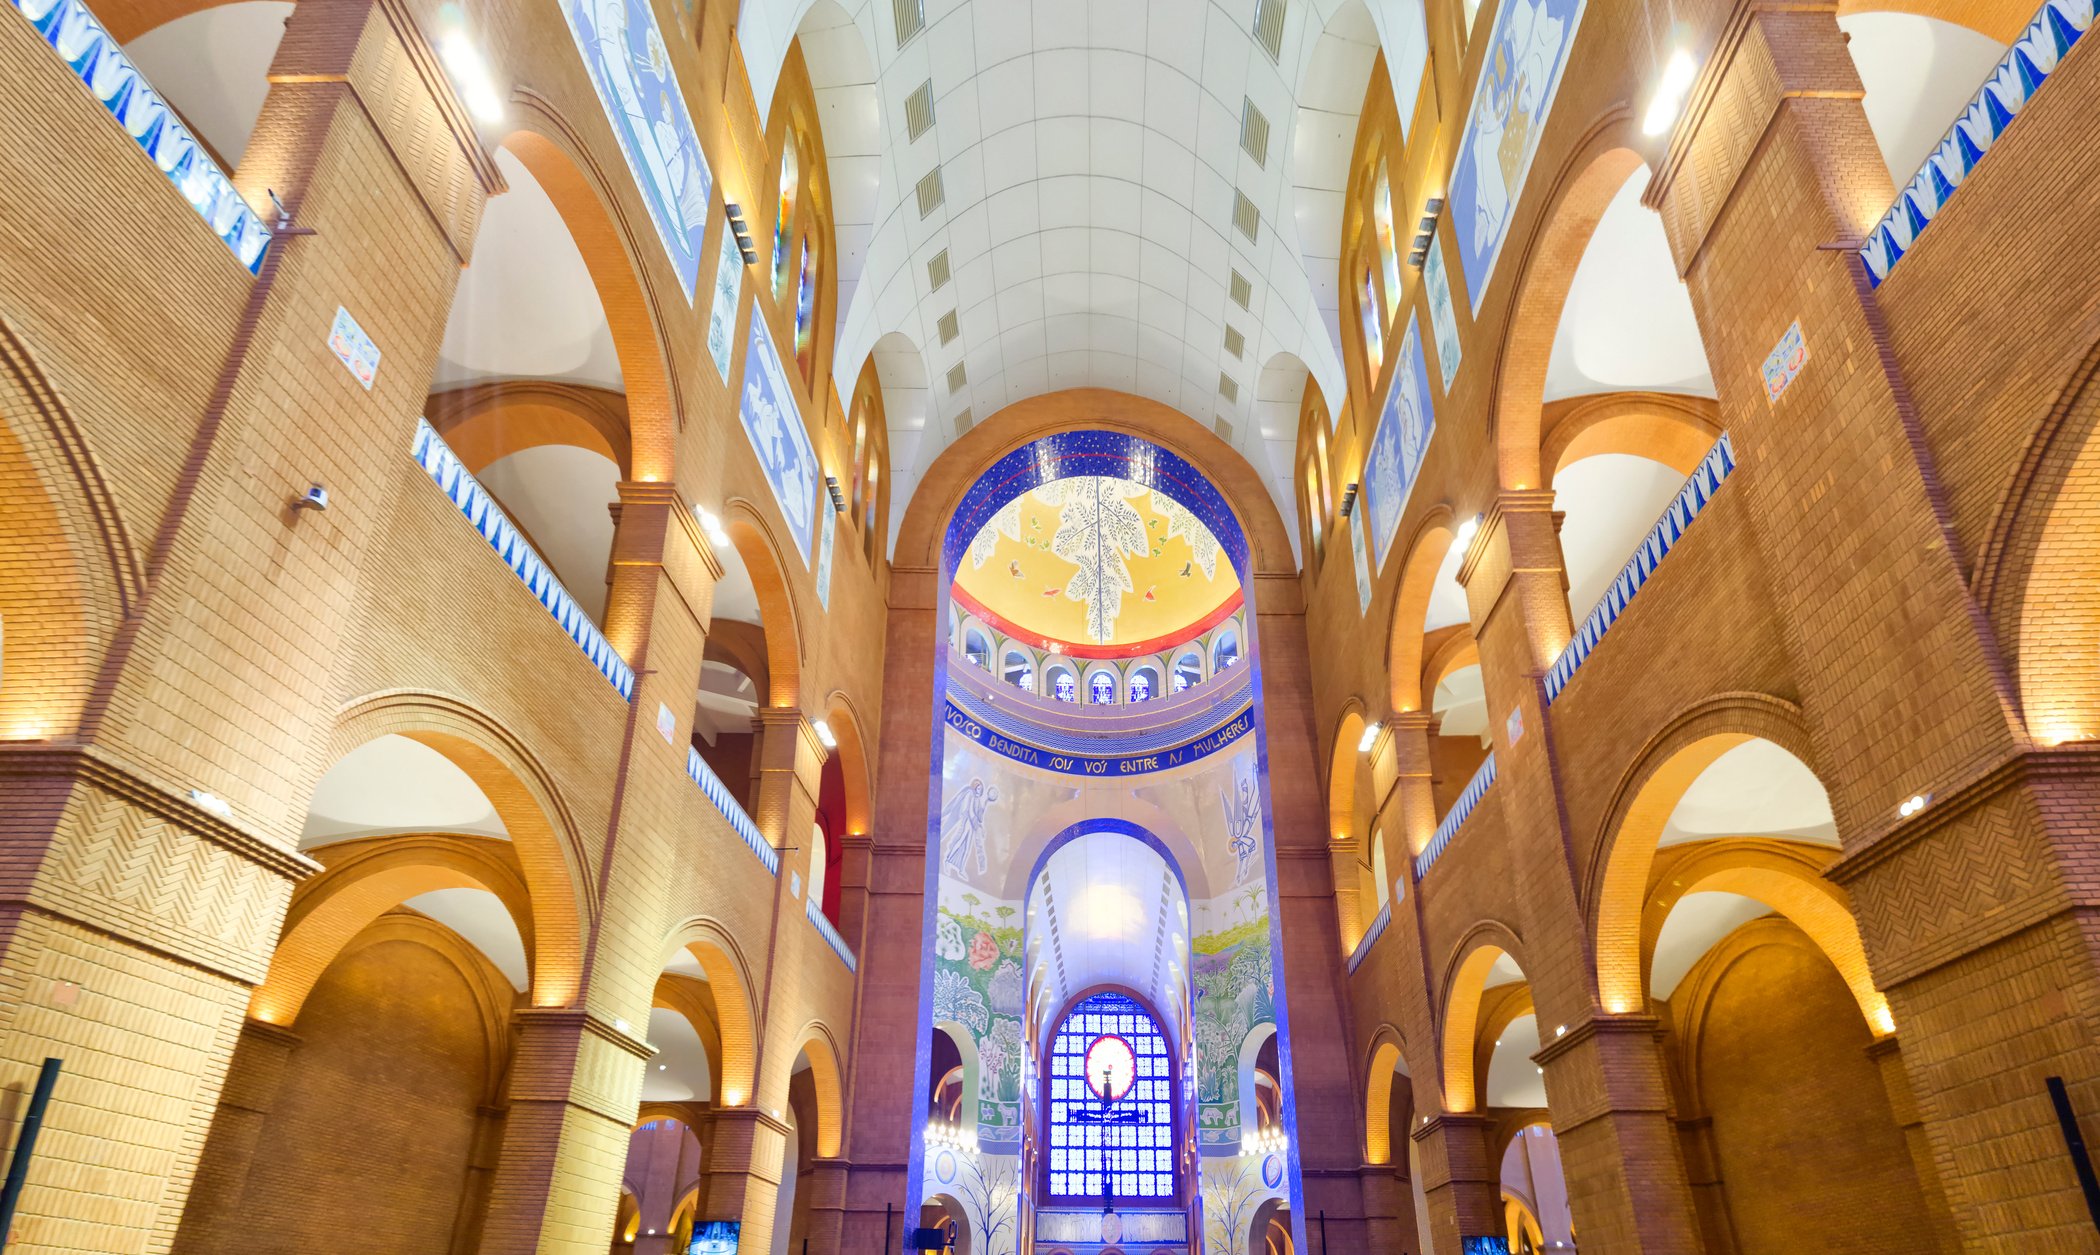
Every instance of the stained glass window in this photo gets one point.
(1127, 1142)
(1141, 687)
(1067, 689)
(805, 299)
(784, 225)
(1104, 688)
(1374, 334)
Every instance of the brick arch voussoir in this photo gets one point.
(1663, 427)
(761, 553)
(1622, 856)
(482, 422)
(1406, 642)
(820, 1045)
(363, 879)
(2002, 20)
(731, 986)
(1582, 188)
(1463, 986)
(609, 234)
(544, 834)
(856, 764)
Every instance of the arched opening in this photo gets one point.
(1921, 71)
(1535, 1193)
(1271, 1233)
(662, 1178)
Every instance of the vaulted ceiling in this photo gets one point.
(1089, 193)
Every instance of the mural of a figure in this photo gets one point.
(1522, 71)
(1242, 821)
(962, 827)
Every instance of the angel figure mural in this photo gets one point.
(962, 827)
(1521, 72)
(1242, 821)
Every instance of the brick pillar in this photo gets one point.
(825, 1184)
(1887, 1054)
(1695, 1142)
(741, 1169)
(134, 920)
(216, 1218)
(1459, 1178)
(1969, 909)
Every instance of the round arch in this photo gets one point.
(365, 878)
(523, 793)
(1624, 856)
(755, 545)
(1465, 984)
(1789, 881)
(817, 1044)
(729, 983)
(1582, 190)
(550, 149)
(855, 764)
(1426, 551)
(694, 1001)
(2002, 20)
(1388, 1058)
(1663, 427)
(482, 422)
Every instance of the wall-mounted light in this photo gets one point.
(1348, 499)
(1466, 531)
(212, 802)
(1368, 739)
(838, 495)
(1677, 78)
(712, 526)
(742, 233)
(824, 733)
(468, 68)
(1916, 803)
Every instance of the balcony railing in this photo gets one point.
(2032, 58)
(1363, 947)
(829, 934)
(436, 457)
(100, 64)
(711, 785)
(1716, 466)
(1455, 818)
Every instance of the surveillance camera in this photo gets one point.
(316, 498)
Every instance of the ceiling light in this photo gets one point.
(824, 734)
(470, 74)
(1368, 739)
(1668, 101)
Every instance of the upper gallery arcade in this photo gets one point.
(1049, 627)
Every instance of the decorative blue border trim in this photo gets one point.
(451, 475)
(1092, 765)
(1363, 948)
(829, 934)
(1066, 731)
(98, 62)
(1455, 818)
(2032, 58)
(711, 785)
(1716, 466)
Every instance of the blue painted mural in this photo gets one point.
(1526, 53)
(1398, 445)
(630, 66)
(774, 425)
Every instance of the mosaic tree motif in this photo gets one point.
(1234, 991)
(1232, 1190)
(1183, 523)
(1099, 532)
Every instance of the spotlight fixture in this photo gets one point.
(824, 733)
(742, 232)
(1421, 243)
(469, 70)
(1677, 79)
(838, 495)
(1349, 499)
(314, 498)
(212, 802)
(712, 526)
(1917, 802)
(1368, 739)
(1466, 531)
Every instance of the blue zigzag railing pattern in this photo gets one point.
(1716, 466)
(1363, 948)
(1455, 818)
(99, 63)
(718, 793)
(829, 934)
(2031, 59)
(436, 457)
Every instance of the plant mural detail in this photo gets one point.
(1234, 991)
(977, 984)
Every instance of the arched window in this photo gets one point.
(806, 305)
(1188, 672)
(1374, 330)
(1312, 506)
(1226, 652)
(1018, 669)
(977, 649)
(1122, 1144)
(784, 227)
(1388, 247)
(1063, 686)
(1103, 688)
(817, 856)
(1378, 868)
(1144, 685)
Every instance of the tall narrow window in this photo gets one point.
(784, 227)
(1312, 507)
(1121, 1142)
(1388, 247)
(805, 305)
(1374, 332)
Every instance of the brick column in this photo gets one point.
(149, 837)
(1887, 1054)
(215, 1219)
(741, 1171)
(1971, 910)
(1459, 1178)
